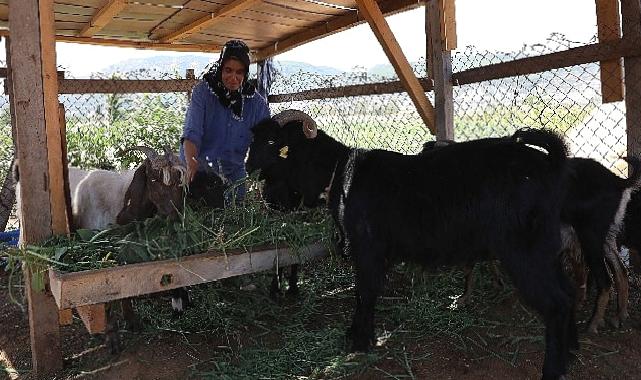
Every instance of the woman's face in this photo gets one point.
(233, 74)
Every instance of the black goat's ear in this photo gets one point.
(136, 204)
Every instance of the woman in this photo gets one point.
(223, 109)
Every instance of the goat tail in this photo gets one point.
(634, 172)
(545, 139)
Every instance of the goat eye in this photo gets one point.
(271, 142)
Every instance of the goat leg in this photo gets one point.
(468, 272)
(112, 338)
(598, 315)
(621, 284)
(129, 315)
(292, 280)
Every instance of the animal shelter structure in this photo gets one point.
(31, 28)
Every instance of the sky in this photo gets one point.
(504, 25)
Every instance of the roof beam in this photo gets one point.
(102, 17)
(230, 9)
(392, 49)
(335, 25)
(150, 45)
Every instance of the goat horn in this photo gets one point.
(310, 129)
(149, 152)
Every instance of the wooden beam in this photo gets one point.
(383, 33)
(609, 28)
(104, 285)
(125, 86)
(149, 45)
(102, 17)
(65, 167)
(631, 17)
(34, 81)
(448, 24)
(334, 25)
(441, 70)
(230, 9)
(380, 88)
(94, 317)
(65, 317)
(532, 65)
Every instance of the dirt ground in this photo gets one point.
(612, 354)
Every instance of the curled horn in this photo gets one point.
(310, 129)
(149, 152)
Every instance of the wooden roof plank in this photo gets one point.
(401, 65)
(227, 10)
(103, 17)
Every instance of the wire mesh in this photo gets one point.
(568, 100)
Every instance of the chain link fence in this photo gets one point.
(567, 100)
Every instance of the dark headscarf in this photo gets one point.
(231, 99)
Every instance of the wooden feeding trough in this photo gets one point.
(88, 291)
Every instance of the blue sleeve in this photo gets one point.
(195, 118)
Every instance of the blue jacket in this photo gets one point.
(219, 137)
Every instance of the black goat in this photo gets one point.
(279, 190)
(592, 212)
(452, 207)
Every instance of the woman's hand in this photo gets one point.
(192, 168)
(191, 152)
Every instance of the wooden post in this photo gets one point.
(35, 97)
(609, 28)
(441, 71)
(631, 18)
(372, 13)
(8, 192)
(62, 120)
(189, 75)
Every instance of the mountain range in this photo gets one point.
(179, 64)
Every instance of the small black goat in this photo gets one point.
(452, 207)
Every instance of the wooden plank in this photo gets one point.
(52, 121)
(124, 86)
(65, 166)
(381, 88)
(448, 24)
(441, 60)
(94, 317)
(44, 328)
(208, 20)
(609, 28)
(532, 65)
(631, 17)
(65, 317)
(103, 17)
(397, 58)
(321, 8)
(140, 44)
(33, 78)
(104, 285)
(332, 26)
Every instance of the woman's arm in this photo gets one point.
(191, 158)
(194, 129)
